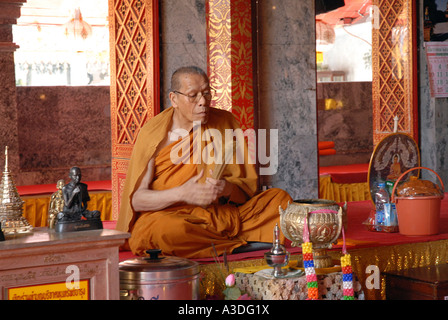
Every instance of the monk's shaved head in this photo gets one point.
(176, 82)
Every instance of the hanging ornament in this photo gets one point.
(77, 26)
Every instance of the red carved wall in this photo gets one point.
(134, 47)
(394, 69)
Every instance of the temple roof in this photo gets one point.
(354, 11)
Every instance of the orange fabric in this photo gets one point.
(341, 192)
(189, 231)
(149, 138)
(35, 208)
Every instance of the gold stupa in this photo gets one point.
(11, 205)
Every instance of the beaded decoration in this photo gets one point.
(347, 272)
(310, 271)
(308, 265)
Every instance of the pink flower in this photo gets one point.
(230, 280)
(244, 297)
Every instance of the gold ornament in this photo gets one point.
(11, 205)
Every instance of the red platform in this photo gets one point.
(353, 173)
(357, 235)
(32, 190)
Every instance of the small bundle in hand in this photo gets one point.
(226, 159)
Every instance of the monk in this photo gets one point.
(171, 199)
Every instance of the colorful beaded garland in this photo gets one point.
(347, 273)
(308, 265)
(310, 272)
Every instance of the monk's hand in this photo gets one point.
(222, 187)
(196, 193)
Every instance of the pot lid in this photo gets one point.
(157, 268)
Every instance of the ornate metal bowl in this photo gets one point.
(324, 219)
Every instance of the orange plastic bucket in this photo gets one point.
(418, 216)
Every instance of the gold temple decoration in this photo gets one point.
(11, 205)
(56, 204)
(230, 57)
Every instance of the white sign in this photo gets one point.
(437, 57)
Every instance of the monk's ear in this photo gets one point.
(173, 99)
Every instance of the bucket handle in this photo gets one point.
(406, 172)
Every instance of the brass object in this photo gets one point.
(325, 219)
(277, 257)
(11, 205)
(56, 204)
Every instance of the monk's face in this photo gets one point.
(189, 101)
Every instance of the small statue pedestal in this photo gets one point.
(80, 225)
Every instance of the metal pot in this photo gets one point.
(324, 219)
(159, 278)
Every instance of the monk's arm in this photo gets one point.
(191, 192)
(145, 199)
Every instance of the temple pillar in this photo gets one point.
(9, 13)
(230, 57)
(134, 88)
(230, 61)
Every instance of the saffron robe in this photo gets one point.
(186, 230)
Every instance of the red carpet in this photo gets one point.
(357, 235)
